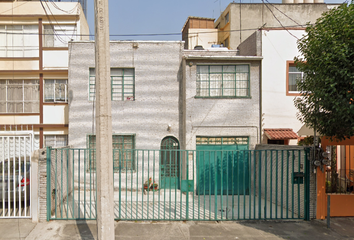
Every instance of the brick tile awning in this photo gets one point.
(280, 133)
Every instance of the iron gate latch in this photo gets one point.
(298, 177)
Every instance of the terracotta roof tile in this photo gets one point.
(280, 133)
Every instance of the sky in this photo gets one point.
(159, 16)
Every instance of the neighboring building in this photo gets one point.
(272, 31)
(34, 66)
(279, 75)
(222, 102)
(239, 20)
(199, 31)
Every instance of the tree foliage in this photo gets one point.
(327, 91)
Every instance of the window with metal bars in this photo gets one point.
(226, 81)
(123, 152)
(122, 84)
(222, 140)
(293, 77)
(56, 90)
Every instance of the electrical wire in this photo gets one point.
(65, 11)
(162, 34)
(284, 13)
(279, 21)
(50, 23)
(11, 9)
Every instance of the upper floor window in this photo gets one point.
(227, 18)
(19, 41)
(223, 81)
(294, 75)
(56, 90)
(58, 35)
(19, 96)
(122, 84)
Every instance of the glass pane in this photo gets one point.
(2, 107)
(49, 90)
(60, 90)
(116, 72)
(202, 70)
(31, 107)
(293, 69)
(242, 68)
(229, 69)
(14, 92)
(2, 90)
(215, 69)
(92, 72)
(129, 72)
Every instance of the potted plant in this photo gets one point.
(150, 185)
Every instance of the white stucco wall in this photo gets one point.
(55, 59)
(57, 114)
(278, 46)
(202, 37)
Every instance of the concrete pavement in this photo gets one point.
(341, 228)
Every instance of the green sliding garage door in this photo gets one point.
(222, 165)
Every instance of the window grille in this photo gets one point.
(122, 84)
(223, 81)
(123, 159)
(56, 90)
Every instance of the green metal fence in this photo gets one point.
(183, 185)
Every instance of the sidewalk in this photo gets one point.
(341, 228)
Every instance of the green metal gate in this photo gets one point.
(169, 163)
(244, 185)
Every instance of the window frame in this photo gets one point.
(92, 85)
(222, 96)
(288, 92)
(6, 101)
(27, 51)
(116, 169)
(54, 100)
(227, 18)
(60, 35)
(214, 140)
(55, 139)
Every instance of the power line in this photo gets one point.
(279, 21)
(50, 23)
(283, 13)
(153, 34)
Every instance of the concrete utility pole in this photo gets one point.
(104, 165)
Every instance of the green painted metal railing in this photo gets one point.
(183, 185)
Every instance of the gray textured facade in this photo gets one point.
(165, 102)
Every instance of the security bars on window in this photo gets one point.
(119, 142)
(122, 84)
(55, 90)
(295, 76)
(223, 81)
(221, 140)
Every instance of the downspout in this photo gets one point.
(260, 102)
(183, 106)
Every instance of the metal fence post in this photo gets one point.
(49, 209)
